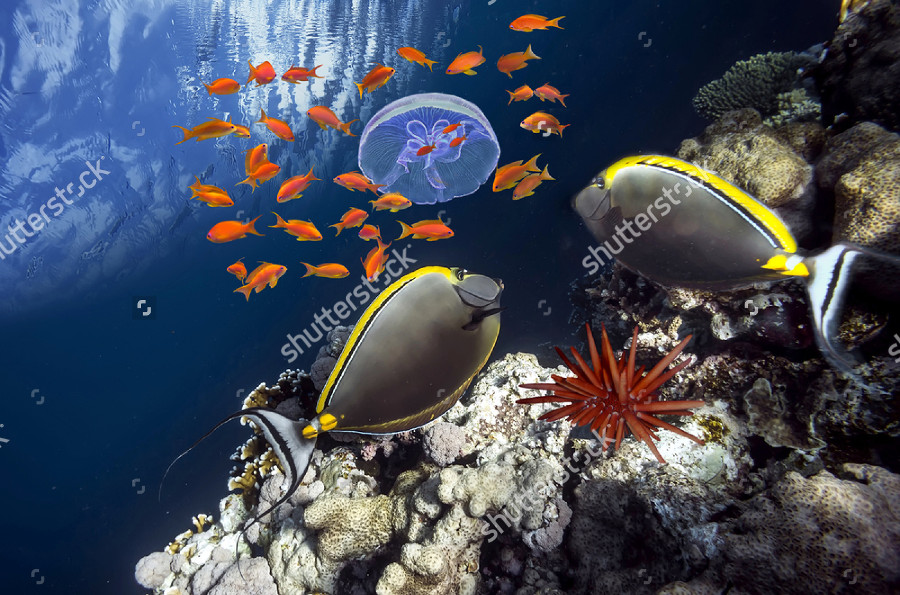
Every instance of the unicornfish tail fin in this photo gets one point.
(827, 283)
(285, 436)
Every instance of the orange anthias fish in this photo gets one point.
(302, 230)
(515, 61)
(211, 195)
(375, 259)
(227, 231)
(297, 75)
(377, 77)
(265, 172)
(352, 218)
(356, 181)
(523, 93)
(329, 270)
(212, 129)
(278, 127)
(222, 86)
(508, 175)
(323, 116)
(262, 74)
(238, 270)
(294, 187)
(466, 62)
(549, 93)
(256, 157)
(426, 150)
(265, 274)
(241, 131)
(542, 122)
(432, 229)
(529, 183)
(369, 232)
(414, 55)
(451, 128)
(392, 201)
(530, 22)
(458, 140)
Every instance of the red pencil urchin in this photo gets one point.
(609, 394)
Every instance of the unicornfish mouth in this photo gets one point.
(592, 202)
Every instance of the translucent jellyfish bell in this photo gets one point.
(393, 148)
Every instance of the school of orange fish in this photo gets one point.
(522, 178)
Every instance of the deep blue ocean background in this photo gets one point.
(97, 402)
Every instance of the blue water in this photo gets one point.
(95, 401)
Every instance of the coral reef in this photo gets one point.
(860, 74)
(762, 82)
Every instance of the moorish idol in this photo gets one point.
(678, 225)
(410, 357)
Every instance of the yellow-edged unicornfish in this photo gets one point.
(411, 356)
(679, 225)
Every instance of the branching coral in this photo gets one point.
(756, 82)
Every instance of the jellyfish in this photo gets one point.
(394, 148)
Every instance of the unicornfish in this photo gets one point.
(410, 357)
(678, 225)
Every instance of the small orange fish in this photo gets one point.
(278, 127)
(352, 218)
(375, 259)
(377, 77)
(227, 231)
(369, 232)
(265, 172)
(238, 269)
(222, 86)
(302, 230)
(465, 63)
(414, 55)
(508, 175)
(329, 270)
(458, 140)
(529, 183)
(426, 149)
(530, 22)
(323, 116)
(392, 201)
(542, 122)
(265, 274)
(515, 61)
(212, 129)
(262, 74)
(432, 229)
(356, 181)
(256, 157)
(241, 131)
(297, 75)
(211, 195)
(294, 187)
(451, 128)
(549, 93)
(523, 93)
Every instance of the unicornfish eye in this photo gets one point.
(478, 291)
(592, 202)
(460, 273)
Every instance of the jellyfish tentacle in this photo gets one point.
(417, 130)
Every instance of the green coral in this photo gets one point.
(757, 82)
